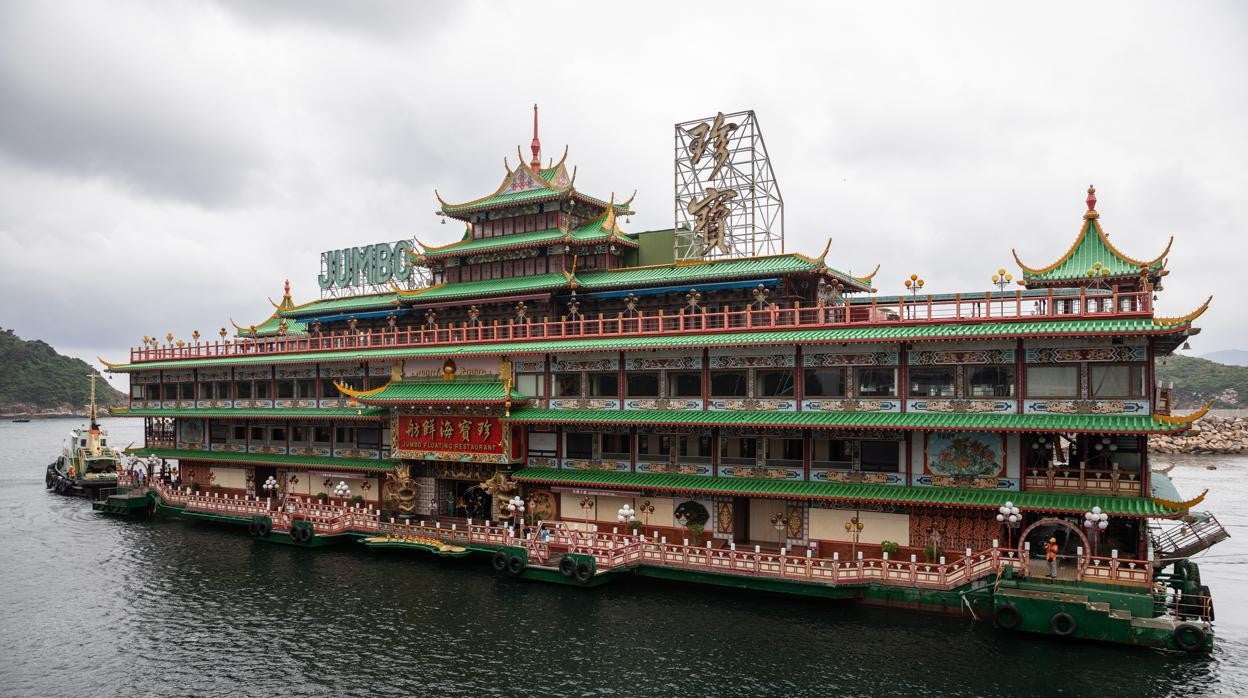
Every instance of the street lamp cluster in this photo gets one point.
(516, 507)
(1009, 516)
(1095, 521)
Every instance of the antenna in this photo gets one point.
(94, 425)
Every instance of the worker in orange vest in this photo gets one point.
(1050, 555)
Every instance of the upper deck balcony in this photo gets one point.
(915, 311)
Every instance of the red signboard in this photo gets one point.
(451, 434)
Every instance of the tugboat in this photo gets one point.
(87, 463)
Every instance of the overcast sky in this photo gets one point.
(165, 166)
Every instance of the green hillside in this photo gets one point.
(34, 378)
(1196, 381)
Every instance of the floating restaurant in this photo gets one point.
(577, 402)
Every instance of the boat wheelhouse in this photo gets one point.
(572, 399)
(87, 464)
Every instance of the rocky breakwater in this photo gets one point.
(1209, 435)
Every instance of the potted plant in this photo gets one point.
(356, 501)
(695, 533)
(194, 487)
(888, 546)
(931, 553)
(322, 497)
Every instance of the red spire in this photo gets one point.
(536, 145)
(287, 287)
(1091, 198)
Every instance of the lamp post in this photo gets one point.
(780, 522)
(645, 509)
(587, 503)
(270, 487)
(914, 283)
(1001, 279)
(1095, 521)
(341, 491)
(626, 515)
(516, 507)
(1008, 515)
(854, 528)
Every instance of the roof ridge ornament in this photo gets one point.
(536, 145)
(1091, 214)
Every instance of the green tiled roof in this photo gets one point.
(1090, 248)
(377, 301)
(586, 233)
(368, 464)
(508, 198)
(400, 392)
(890, 333)
(489, 287)
(270, 328)
(1065, 423)
(700, 271)
(846, 492)
(258, 412)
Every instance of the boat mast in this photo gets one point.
(94, 425)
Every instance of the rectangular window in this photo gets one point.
(243, 390)
(773, 384)
(989, 381)
(835, 453)
(186, 391)
(299, 435)
(223, 390)
(206, 391)
(729, 384)
(642, 384)
(277, 434)
(321, 435)
(579, 446)
(218, 433)
(784, 451)
(1116, 380)
(263, 391)
(1053, 381)
(171, 391)
(368, 437)
(568, 385)
(653, 446)
(328, 390)
(305, 389)
(239, 433)
(605, 384)
(531, 384)
(880, 456)
(684, 384)
(285, 390)
(876, 382)
(825, 382)
(257, 434)
(738, 450)
(615, 446)
(931, 381)
(345, 437)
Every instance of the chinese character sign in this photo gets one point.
(710, 215)
(451, 434)
(717, 133)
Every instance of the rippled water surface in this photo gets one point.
(95, 606)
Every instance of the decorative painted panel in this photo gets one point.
(230, 447)
(662, 404)
(978, 483)
(856, 476)
(672, 469)
(585, 404)
(296, 372)
(145, 377)
(974, 356)
(1086, 406)
(178, 404)
(379, 369)
(1057, 355)
(357, 453)
(252, 373)
(960, 405)
(185, 376)
(587, 364)
(254, 448)
(296, 402)
(874, 358)
(852, 405)
(543, 463)
(213, 403)
(333, 402)
(214, 374)
(734, 361)
(761, 472)
(753, 404)
(647, 363)
(341, 371)
(253, 403)
(529, 366)
(575, 464)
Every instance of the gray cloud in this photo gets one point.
(166, 166)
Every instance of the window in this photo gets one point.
(880, 456)
(615, 446)
(876, 382)
(239, 433)
(262, 390)
(305, 389)
(205, 391)
(531, 384)
(604, 384)
(328, 390)
(931, 381)
(285, 390)
(345, 436)
(642, 384)
(773, 384)
(320, 435)
(568, 385)
(579, 446)
(684, 384)
(989, 381)
(738, 450)
(784, 450)
(1053, 381)
(368, 437)
(257, 433)
(186, 391)
(277, 434)
(243, 390)
(218, 433)
(1116, 380)
(825, 382)
(836, 453)
(653, 446)
(299, 435)
(223, 390)
(729, 384)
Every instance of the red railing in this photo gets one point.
(919, 310)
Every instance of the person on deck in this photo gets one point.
(1050, 556)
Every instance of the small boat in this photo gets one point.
(21, 420)
(87, 463)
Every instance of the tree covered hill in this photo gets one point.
(34, 379)
(1196, 381)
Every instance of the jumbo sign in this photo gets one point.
(370, 265)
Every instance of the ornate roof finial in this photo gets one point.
(1091, 203)
(536, 145)
(287, 288)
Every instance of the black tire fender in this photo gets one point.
(1188, 637)
(515, 565)
(567, 567)
(294, 533)
(253, 528)
(1062, 624)
(305, 534)
(263, 528)
(584, 572)
(1007, 616)
(499, 561)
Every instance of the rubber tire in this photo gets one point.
(1189, 638)
(263, 528)
(567, 567)
(515, 565)
(305, 535)
(584, 572)
(1204, 591)
(294, 534)
(1007, 617)
(1062, 624)
(499, 561)
(252, 528)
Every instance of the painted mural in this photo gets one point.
(966, 454)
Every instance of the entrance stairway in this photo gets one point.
(1182, 542)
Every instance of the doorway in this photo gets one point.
(740, 519)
